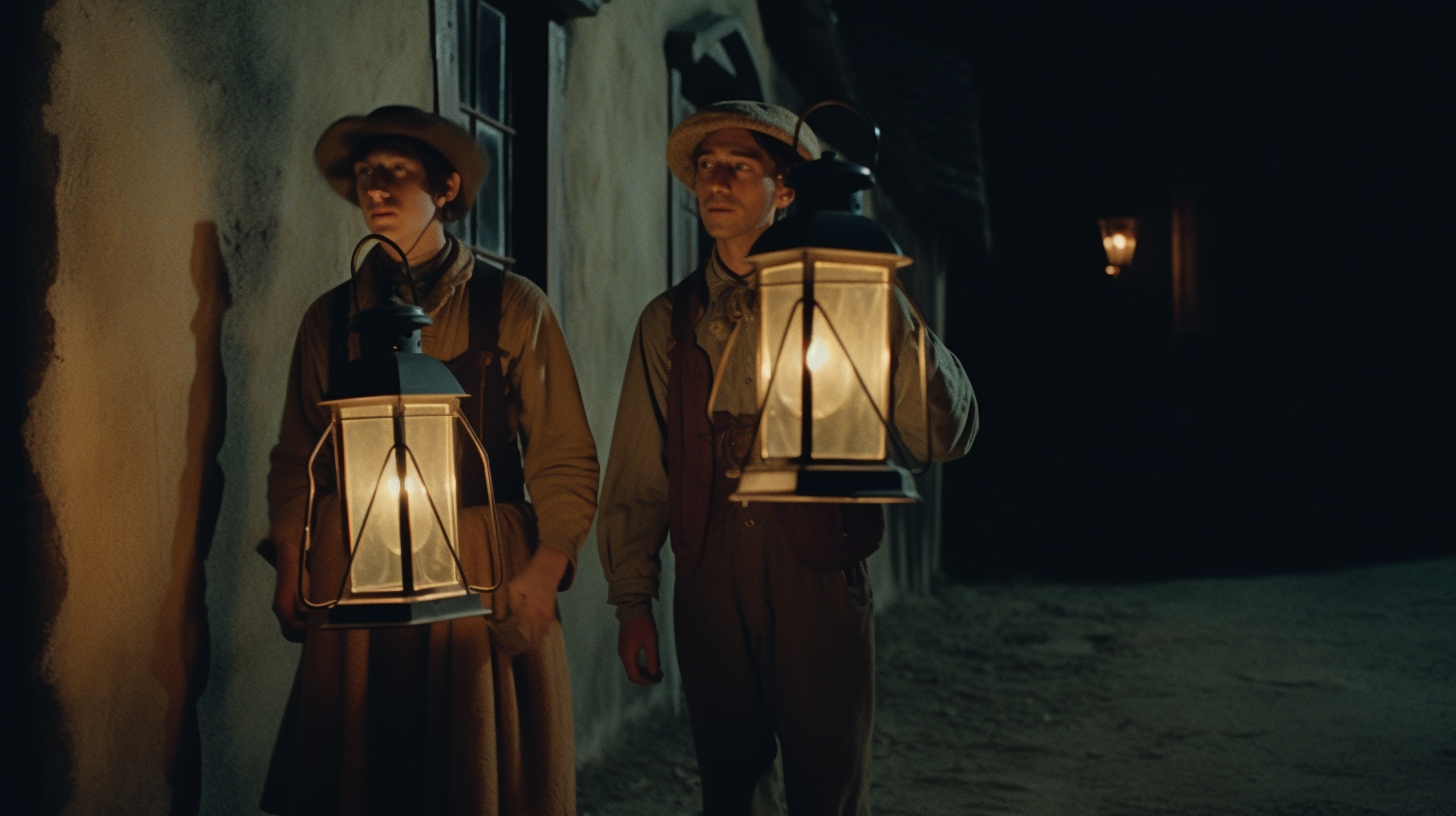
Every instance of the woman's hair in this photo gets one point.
(437, 167)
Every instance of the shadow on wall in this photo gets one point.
(181, 659)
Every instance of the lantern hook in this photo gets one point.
(874, 128)
(409, 273)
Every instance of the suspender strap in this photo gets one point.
(689, 434)
(338, 331)
(479, 370)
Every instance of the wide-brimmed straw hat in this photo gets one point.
(331, 154)
(760, 116)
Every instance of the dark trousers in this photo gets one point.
(770, 649)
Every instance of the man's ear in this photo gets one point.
(452, 189)
(783, 195)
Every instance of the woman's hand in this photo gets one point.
(288, 607)
(533, 592)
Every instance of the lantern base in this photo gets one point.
(880, 483)
(372, 615)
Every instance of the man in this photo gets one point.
(470, 716)
(775, 643)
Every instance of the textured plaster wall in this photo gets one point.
(106, 429)
(193, 231)
(614, 262)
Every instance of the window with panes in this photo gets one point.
(481, 104)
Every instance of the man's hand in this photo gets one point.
(533, 592)
(287, 606)
(633, 638)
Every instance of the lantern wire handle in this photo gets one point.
(494, 522)
(308, 523)
(354, 268)
(874, 128)
(368, 511)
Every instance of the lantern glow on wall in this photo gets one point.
(1119, 241)
(393, 416)
(826, 276)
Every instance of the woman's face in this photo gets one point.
(395, 196)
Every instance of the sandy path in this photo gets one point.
(1325, 694)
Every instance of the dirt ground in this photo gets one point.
(1327, 694)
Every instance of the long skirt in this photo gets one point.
(457, 717)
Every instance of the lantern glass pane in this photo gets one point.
(372, 497)
(430, 434)
(850, 335)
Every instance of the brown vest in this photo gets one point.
(704, 459)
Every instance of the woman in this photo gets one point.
(471, 716)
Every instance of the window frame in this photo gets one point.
(522, 177)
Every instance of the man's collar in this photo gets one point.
(721, 278)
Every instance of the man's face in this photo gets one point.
(395, 196)
(737, 193)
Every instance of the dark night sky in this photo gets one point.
(1307, 428)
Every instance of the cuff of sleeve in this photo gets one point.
(634, 609)
(630, 590)
(570, 552)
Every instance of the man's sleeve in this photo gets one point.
(634, 514)
(953, 417)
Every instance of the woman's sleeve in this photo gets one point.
(560, 454)
(303, 421)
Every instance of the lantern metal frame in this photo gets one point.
(827, 223)
(408, 605)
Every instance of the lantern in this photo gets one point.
(1119, 240)
(826, 276)
(393, 414)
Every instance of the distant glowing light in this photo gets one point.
(1119, 241)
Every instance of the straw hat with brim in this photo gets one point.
(331, 154)
(760, 116)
